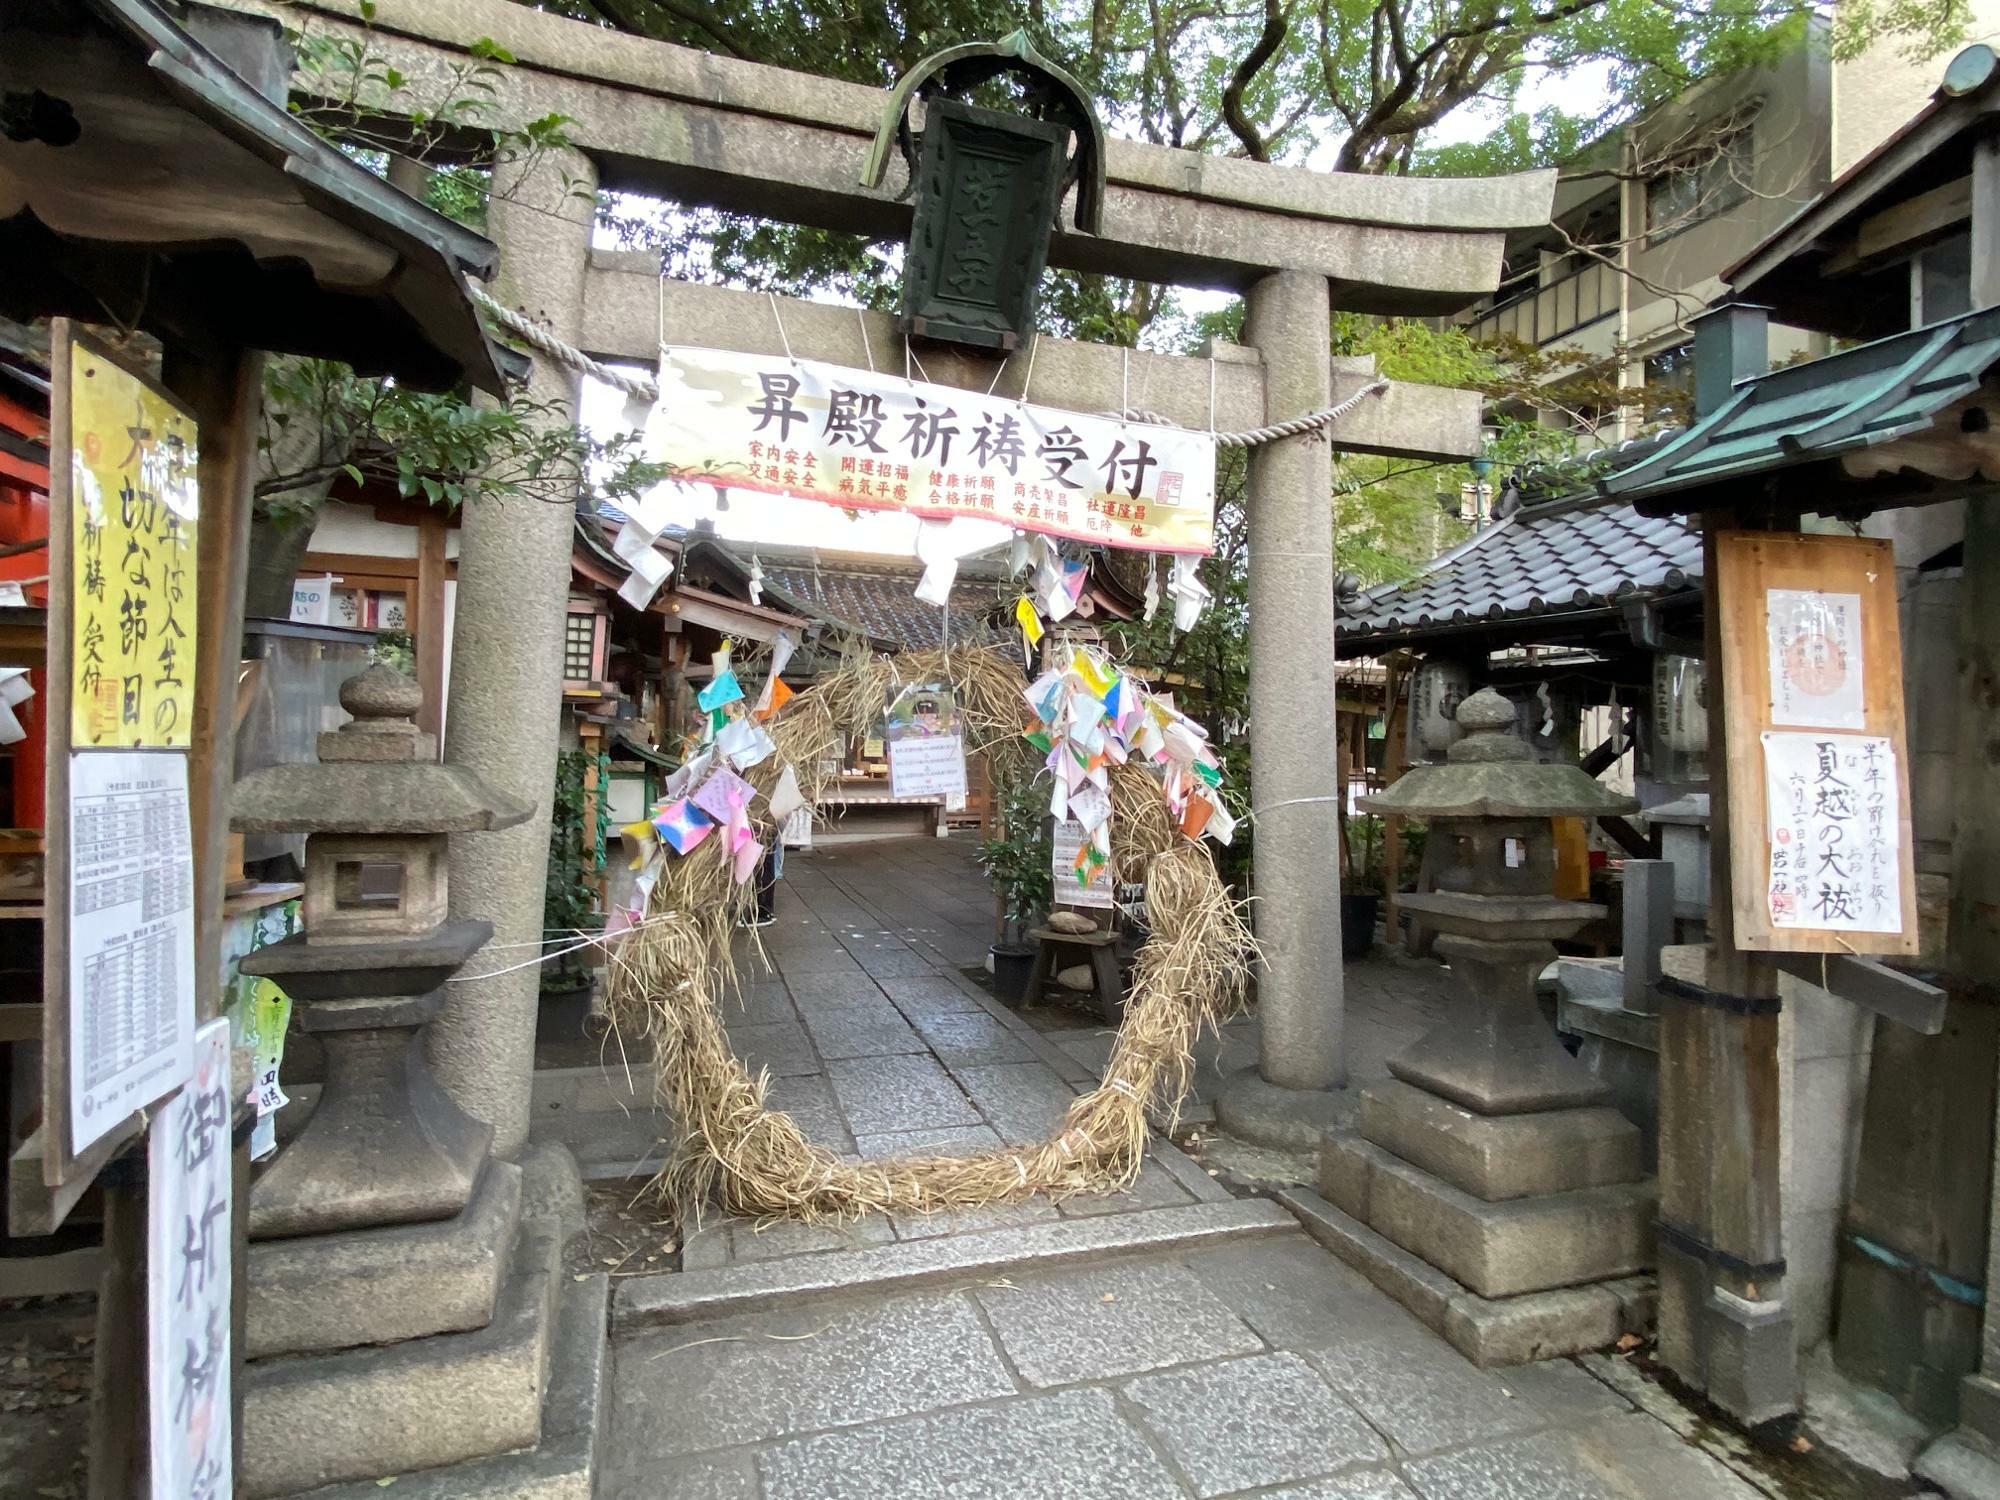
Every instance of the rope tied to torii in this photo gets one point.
(648, 388)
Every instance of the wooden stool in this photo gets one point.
(1101, 949)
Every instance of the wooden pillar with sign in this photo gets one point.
(145, 623)
(1812, 854)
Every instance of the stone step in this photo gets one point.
(1497, 1249)
(318, 1419)
(563, 1465)
(1486, 1330)
(381, 1286)
(649, 1301)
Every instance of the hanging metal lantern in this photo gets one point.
(988, 187)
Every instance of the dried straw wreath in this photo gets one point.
(673, 973)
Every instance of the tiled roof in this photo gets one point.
(1554, 559)
(880, 600)
(1818, 409)
(877, 597)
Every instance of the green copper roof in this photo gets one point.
(1821, 408)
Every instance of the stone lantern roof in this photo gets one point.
(1492, 773)
(376, 774)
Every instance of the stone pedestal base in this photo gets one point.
(328, 1292)
(1266, 1114)
(509, 1409)
(1501, 1249)
(1516, 1235)
(1486, 1330)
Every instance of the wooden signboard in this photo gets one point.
(1821, 854)
(119, 944)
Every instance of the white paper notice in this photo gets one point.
(187, 1279)
(649, 571)
(131, 935)
(1816, 659)
(927, 765)
(1834, 824)
(1068, 843)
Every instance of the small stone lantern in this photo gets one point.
(385, 1144)
(1501, 1196)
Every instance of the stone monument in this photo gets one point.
(405, 1315)
(1488, 1186)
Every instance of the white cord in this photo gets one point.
(779, 318)
(1258, 812)
(867, 348)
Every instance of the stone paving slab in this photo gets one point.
(1155, 1187)
(1296, 1295)
(764, 1376)
(923, 995)
(1033, 1447)
(862, 1031)
(879, 1094)
(970, 1039)
(780, 1046)
(1122, 1318)
(1024, 1102)
(1141, 1375)
(1364, 1484)
(1422, 1392)
(952, 1140)
(1247, 1423)
(811, 1104)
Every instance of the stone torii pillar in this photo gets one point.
(506, 667)
(1295, 778)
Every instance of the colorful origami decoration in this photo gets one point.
(1088, 716)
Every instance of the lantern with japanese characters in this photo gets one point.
(988, 185)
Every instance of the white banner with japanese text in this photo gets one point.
(188, 1279)
(865, 441)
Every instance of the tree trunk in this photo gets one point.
(277, 552)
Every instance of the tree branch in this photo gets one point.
(1245, 74)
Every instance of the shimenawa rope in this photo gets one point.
(531, 332)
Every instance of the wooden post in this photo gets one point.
(1725, 1328)
(1395, 750)
(427, 621)
(225, 392)
(119, 1462)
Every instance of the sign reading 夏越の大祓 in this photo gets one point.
(864, 441)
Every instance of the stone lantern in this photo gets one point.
(1488, 1185)
(393, 1265)
(385, 1144)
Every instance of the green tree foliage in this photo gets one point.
(323, 422)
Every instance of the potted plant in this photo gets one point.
(1361, 894)
(569, 902)
(1017, 859)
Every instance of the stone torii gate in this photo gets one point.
(652, 118)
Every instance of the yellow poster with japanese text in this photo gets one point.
(134, 507)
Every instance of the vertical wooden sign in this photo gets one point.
(1819, 793)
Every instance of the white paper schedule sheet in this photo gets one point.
(131, 935)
